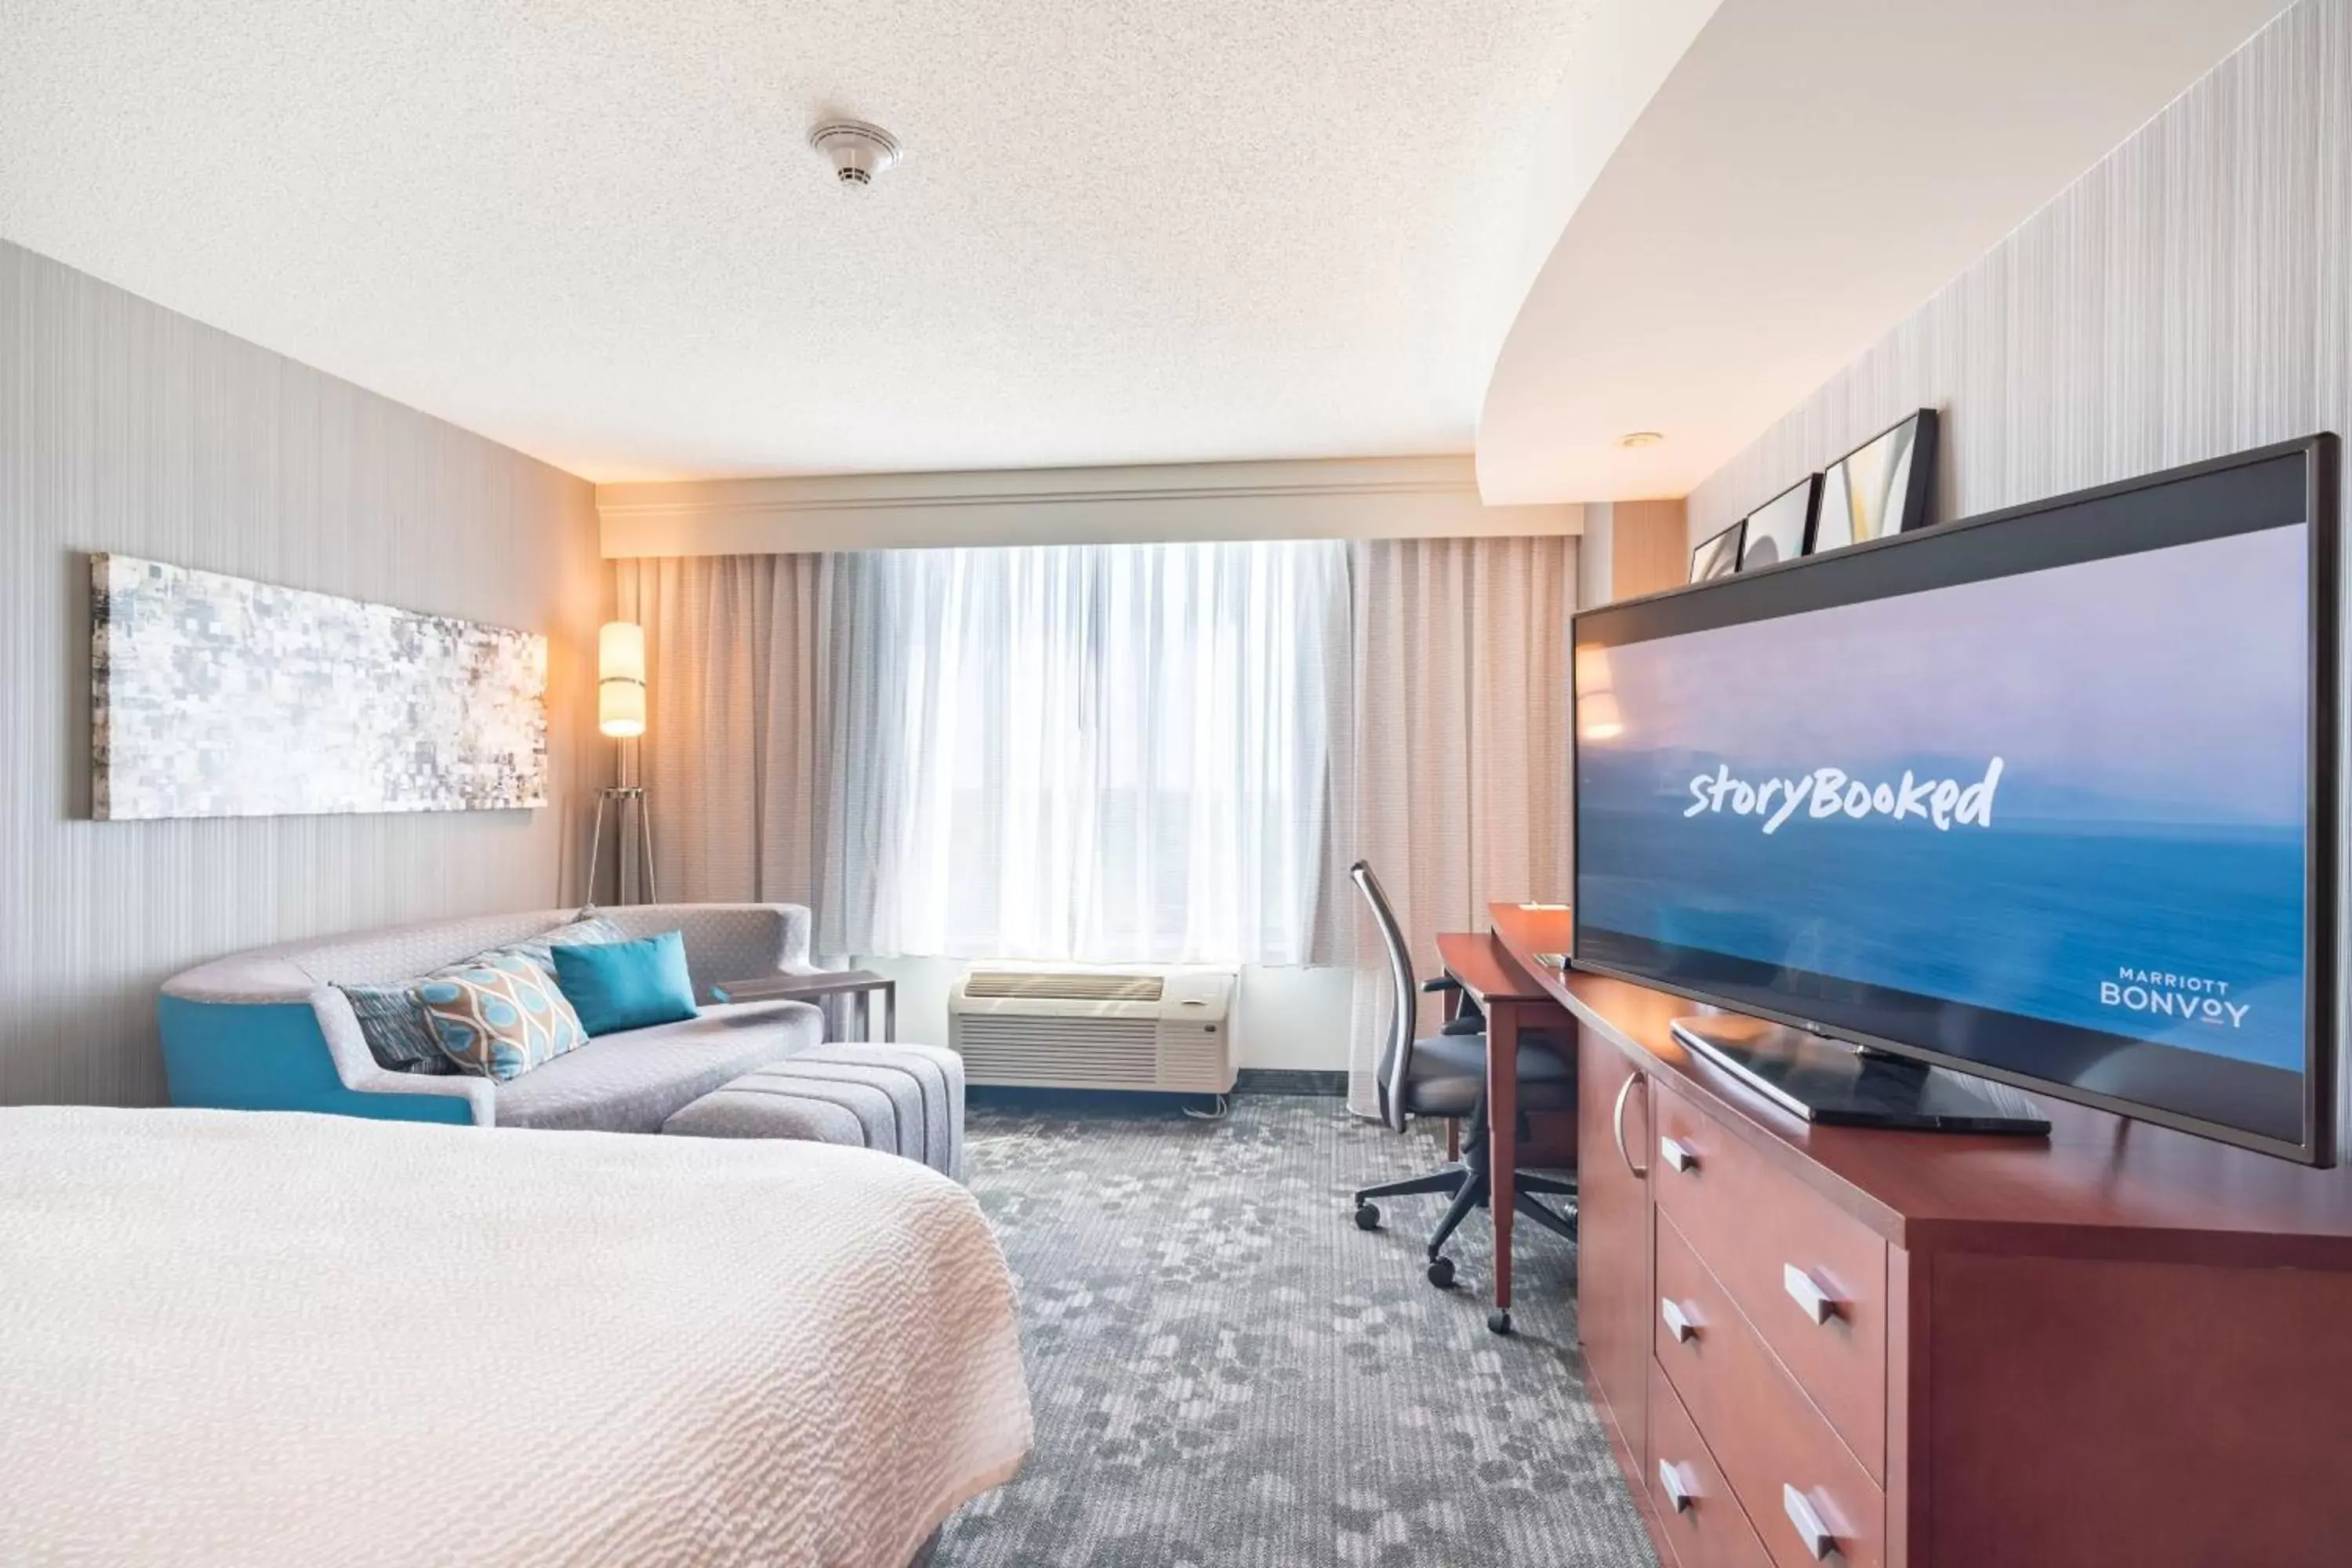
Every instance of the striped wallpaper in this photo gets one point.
(2191, 295)
(124, 427)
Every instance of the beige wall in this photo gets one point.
(1648, 554)
(1630, 548)
(124, 427)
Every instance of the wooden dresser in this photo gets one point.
(2122, 1345)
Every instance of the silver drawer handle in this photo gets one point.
(1670, 1477)
(1676, 1155)
(1617, 1127)
(1806, 1292)
(1808, 1520)
(1678, 1323)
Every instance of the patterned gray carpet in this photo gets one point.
(1227, 1372)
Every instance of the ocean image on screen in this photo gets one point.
(2075, 795)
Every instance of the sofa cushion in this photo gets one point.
(622, 985)
(498, 1016)
(632, 1082)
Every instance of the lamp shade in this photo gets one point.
(621, 652)
(621, 679)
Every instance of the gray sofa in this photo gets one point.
(267, 1030)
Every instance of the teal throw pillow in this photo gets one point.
(498, 1016)
(622, 985)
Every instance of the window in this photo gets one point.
(1096, 752)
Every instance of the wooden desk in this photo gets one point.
(2120, 1344)
(1513, 1003)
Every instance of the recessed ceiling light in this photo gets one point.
(1640, 438)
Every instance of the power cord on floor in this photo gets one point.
(1224, 1108)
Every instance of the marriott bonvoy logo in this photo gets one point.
(1829, 793)
(2189, 996)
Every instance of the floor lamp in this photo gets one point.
(621, 713)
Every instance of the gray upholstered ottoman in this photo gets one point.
(907, 1100)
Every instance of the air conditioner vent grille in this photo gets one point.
(1092, 1053)
(1049, 986)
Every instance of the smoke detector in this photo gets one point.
(858, 151)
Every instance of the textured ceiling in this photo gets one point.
(593, 230)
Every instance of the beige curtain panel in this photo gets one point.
(1460, 743)
(736, 658)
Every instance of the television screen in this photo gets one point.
(2048, 796)
(1880, 488)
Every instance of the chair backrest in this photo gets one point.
(1405, 998)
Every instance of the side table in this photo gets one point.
(860, 983)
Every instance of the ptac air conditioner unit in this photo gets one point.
(1166, 1029)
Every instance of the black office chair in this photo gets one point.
(1446, 1076)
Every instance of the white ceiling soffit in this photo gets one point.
(1808, 172)
(594, 230)
(1361, 498)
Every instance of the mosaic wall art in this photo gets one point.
(221, 696)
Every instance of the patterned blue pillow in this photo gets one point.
(499, 1017)
(587, 930)
(397, 1032)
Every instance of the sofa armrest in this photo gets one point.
(726, 942)
(356, 1066)
(276, 1055)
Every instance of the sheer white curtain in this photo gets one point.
(1105, 752)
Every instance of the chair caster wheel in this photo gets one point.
(1441, 1273)
(1368, 1216)
(1498, 1321)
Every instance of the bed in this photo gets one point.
(241, 1338)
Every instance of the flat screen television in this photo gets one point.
(2047, 797)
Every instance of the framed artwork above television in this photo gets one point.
(1879, 489)
(1782, 528)
(1718, 556)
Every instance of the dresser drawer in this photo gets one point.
(1803, 1491)
(1811, 1278)
(1702, 1519)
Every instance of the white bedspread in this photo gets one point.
(229, 1338)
